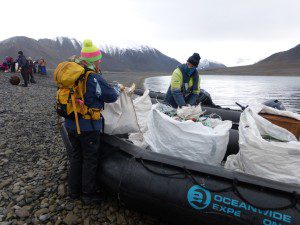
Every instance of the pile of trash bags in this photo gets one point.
(181, 133)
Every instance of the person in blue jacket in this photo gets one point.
(185, 84)
(84, 154)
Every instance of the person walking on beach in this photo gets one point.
(185, 84)
(23, 66)
(84, 154)
(30, 70)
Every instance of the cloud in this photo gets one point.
(220, 30)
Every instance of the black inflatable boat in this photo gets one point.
(185, 192)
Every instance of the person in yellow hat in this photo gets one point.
(84, 154)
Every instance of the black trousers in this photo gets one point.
(83, 162)
(25, 75)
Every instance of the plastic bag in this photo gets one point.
(187, 139)
(276, 158)
(142, 106)
(120, 116)
(190, 112)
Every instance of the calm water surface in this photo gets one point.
(226, 90)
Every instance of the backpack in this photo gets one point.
(26, 64)
(71, 79)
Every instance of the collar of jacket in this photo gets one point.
(84, 63)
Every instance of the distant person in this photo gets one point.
(13, 66)
(39, 66)
(23, 66)
(9, 61)
(35, 63)
(185, 84)
(2, 68)
(30, 70)
(43, 67)
(84, 154)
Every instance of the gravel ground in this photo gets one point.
(33, 164)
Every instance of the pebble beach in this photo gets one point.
(34, 163)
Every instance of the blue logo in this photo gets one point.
(198, 197)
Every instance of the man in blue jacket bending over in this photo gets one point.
(84, 154)
(185, 84)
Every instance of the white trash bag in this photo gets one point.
(277, 158)
(120, 117)
(187, 139)
(190, 112)
(142, 106)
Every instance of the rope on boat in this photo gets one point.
(294, 197)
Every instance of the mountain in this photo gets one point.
(145, 59)
(210, 65)
(281, 63)
(288, 57)
(136, 58)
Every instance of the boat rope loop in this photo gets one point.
(164, 174)
(294, 197)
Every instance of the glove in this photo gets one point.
(122, 87)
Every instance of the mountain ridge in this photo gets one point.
(139, 58)
(285, 63)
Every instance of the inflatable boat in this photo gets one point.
(180, 191)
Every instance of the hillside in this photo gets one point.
(281, 63)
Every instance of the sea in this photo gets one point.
(226, 90)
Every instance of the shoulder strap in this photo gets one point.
(85, 79)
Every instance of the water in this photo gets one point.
(226, 90)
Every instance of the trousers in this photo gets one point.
(83, 159)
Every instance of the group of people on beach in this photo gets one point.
(26, 66)
(184, 90)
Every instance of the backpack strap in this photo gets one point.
(85, 80)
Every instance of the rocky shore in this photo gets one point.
(33, 164)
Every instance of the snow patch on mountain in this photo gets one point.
(121, 50)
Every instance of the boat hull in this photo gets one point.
(185, 192)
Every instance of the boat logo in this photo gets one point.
(198, 197)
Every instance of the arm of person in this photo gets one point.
(106, 92)
(176, 83)
(192, 99)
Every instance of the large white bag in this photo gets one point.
(120, 117)
(187, 139)
(142, 106)
(270, 159)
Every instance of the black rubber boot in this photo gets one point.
(95, 199)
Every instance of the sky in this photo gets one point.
(233, 32)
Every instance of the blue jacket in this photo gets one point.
(98, 91)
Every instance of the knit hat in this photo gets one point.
(90, 52)
(194, 59)
(20, 52)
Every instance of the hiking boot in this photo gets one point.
(95, 199)
(74, 196)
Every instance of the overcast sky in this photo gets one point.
(234, 32)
